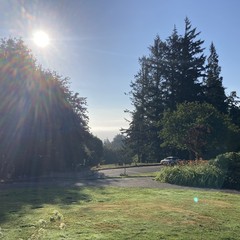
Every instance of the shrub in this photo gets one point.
(195, 175)
(229, 163)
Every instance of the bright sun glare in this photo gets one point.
(41, 39)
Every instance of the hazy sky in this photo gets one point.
(97, 43)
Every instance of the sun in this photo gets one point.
(41, 39)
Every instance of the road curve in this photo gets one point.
(129, 171)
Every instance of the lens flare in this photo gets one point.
(195, 199)
(41, 39)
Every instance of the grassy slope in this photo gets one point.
(118, 213)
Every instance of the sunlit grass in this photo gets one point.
(118, 213)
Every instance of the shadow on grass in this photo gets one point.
(15, 200)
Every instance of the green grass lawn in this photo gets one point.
(118, 213)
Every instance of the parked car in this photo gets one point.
(169, 161)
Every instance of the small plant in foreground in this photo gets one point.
(56, 216)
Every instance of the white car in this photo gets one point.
(169, 161)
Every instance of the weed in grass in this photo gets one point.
(38, 234)
(56, 216)
(1, 233)
(42, 223)
(62, 226)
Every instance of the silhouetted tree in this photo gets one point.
(44, 126)
(234, 107)
(214, 90)
(171, 74)
(94, 149)
(191, 66)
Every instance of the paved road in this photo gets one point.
(129, 171)
(98, 180)
(142, 182)
(139, 182)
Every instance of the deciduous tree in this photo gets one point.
(200, 129)
(44, 126)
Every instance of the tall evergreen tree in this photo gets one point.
(137, 132)
(214, 90)
(173, 71)
(234, 107)
(171, 74)
(149, 103)
(191, 66)
(157, 95)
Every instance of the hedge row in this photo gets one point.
(221, 172)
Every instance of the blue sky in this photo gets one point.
(97, 43)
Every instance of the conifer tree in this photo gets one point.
(214, 90)
(169, 75)
(149, 101)
(173, 72)
(137, 134)
(191, 66)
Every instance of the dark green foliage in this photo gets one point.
(229, 163)
(171, 74)
(198, 128)
(112, 156)
(44, 126)
(175, 72)
(214, 90)
(142, 136)
(233, 108)
(115, 152)
(195, 175)
(94, 150)
(221, 172)
(190, 66)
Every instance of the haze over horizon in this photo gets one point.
(97, 43)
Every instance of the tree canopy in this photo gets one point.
(175, 72)
(44, 125)
(214, 90)
(198, 128)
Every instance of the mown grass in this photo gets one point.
(118, 213)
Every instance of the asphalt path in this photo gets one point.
(106, 178)
(131, 171)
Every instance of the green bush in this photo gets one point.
(195, 175)
(229, 163)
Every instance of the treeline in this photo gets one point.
(115, 151)
(179, 102)
(44, 125)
